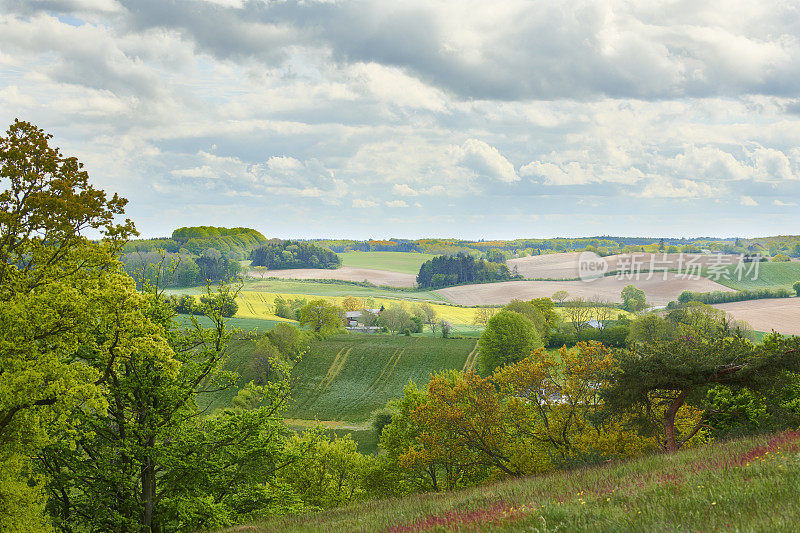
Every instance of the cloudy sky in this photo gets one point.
(472, 119)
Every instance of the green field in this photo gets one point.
(337, 289)
(348, 376)
(743, 485)
(770, 276)
(406, 262)
(246, 324)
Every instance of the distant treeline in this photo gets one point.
(179, 270)
(191, 256)
(448, 270)
(603, 245)
(721, 297)
(235, 243)
(277, 254)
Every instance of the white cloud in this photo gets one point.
(396, 203)
(359, 203)
(748, 201)
(677, 189)
(783, 204)
(401, 189)
(487, 161)
(284, 164)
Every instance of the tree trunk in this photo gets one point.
(671, 438)
(148, 495)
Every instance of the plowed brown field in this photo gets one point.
(378, 277)
(780, 314)
(659, 291)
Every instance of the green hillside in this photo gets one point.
(769, 276)
(743, 485)
(406, 262)
(349, 376)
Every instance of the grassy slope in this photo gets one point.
(406, 262)
(744, 485)
(370, 370)
(770, 276)
(348, 376)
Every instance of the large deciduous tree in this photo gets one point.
(508, 338)
(54, 284)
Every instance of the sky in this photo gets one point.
(466, 119)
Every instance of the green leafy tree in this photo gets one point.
(323, 317)
(148, 462)
(508, 338)
(53, 287)
(429, 316)
(328, 471)
(633, 299)
(796, 287)
(395, 319)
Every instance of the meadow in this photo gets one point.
(742, 485)
(347, 377)
(405, 262)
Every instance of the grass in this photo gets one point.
(256, 304)
(348, 376)
(743, 485)
(246, 324)
(770, 276)
(341, 380)
(338, 289)
(405, 262)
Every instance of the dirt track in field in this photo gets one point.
(378, 277)
(565, 265)
(658, 290)
(780, 314)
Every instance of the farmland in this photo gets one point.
(255, 304)
(377, 277)
(780, 314)
(405, 262)
(565, 265)
(743, 485)
(658, 290)
(289, 286)
(767, 276)
(346, 377)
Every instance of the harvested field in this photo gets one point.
(780, 314)
(378, 277)
(565, 265)
(549, 266)
(659, 291)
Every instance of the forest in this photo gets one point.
(445, 271)
(278, 254)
